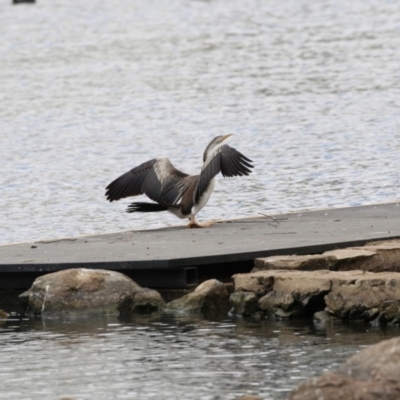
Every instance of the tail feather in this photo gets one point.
(146, 207)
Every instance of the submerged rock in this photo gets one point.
(372, 374)
(85, 291)
(322, 317)
(210, 298)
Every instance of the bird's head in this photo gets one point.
(215, 143)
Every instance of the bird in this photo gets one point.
(175, 191)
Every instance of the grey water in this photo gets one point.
(163, 357)
(90, 89)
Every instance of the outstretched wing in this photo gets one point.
(226, 160)
(157, 178)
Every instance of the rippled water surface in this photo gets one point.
(91, 89)
(170, 358)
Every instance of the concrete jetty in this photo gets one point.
(177, 257)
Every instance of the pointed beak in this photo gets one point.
(226, 136)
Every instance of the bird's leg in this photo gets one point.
(193, 223)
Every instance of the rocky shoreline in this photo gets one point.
(352, 283)
(359, 283)
(347, 295)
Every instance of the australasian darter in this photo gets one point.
(175, 191)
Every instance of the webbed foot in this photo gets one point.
(194, 225)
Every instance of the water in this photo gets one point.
(170, 358)
(91, 89)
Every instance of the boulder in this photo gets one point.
(86, 292)
(372, 374)
(209, 298)
(3, 314)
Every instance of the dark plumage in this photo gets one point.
(173, 190)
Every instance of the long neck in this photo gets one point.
(207, 152)
(212, 146)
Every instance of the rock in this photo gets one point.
(206, 286)
(344, 294)
(309, 262)
(258, 283)
(282, 305)
(374, 257)
(372, 374)
(325, 321)
(383, 245)
(360, 295)
(350, 253)
(322, 317)
(291, 297)
(348, 259)
(341, 259)
(172, 294)
(386, 257)
(210, 298)
(3, 314)
(143, 301)
(287, 293)
(85, 292)
(244, 303)
(388, 313)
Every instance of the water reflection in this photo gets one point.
(171, 357)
